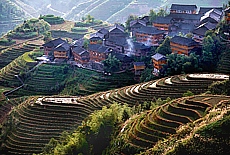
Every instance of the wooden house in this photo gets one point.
(62, 51)
(51, 45)
(199, 32)
(99, 36)
(80, 55)
(98, 53)
(139, 67)
(149, 36)
(116, 43)
(117, 31)
(212, 16)
(203, 10)
(162, 23)
(137, 24)
(182, 45)
(158, 61)
(185, 9)
(126, 61)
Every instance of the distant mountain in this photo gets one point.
(106, 10)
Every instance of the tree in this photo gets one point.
(86, 43)
(152, 15)
(162, 12)
(111, 64)
(127, 23)
(47, 37)
(164, 48)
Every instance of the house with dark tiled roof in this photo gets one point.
(138, 49)
(182, 45)
(116, 43)
(80, 55)
(203, 10)
(98, 52)
(186, 9)
(213, 16)
(185, 18)
(199, 32)
(139, 67)
(137, 24)
(97, 38)
(162, 23)
(62, 51)
(126, 61)
(227, 15)
(117, 31)
(51, 45)
(158, 61)
(149, 36)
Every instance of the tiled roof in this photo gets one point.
(62, 47)
(118, 40)
(183, 7)
(139, 46)
(79, 50)
(159, 56)
(133, 22)
(185, 16)
(203, 10)
(98, 48)
(122, 57)
(201, 29)
(116, 26)
(214, 14)
(183, 41)
(103, 31)
(96, 36)
(54, 43)
(163, 20)
(139, 63)
(150, 30)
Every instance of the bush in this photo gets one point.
(79, 29)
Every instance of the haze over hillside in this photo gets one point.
(107, 10)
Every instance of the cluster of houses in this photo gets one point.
(116, 41)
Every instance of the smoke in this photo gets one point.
(148, 42)
(130, 47)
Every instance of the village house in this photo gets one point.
(116, 43)
(162, 23)
(99, 36)
(137, 24)
(203, 10)
(62, 51)
(117, 31)
(158, 61)
(149, 36)
(98, 53)
(139, 67)
(185, 9)
(138, 49)
(126, 61)
(51, 45)
(213, 16)
(199, 32)
(80, 55)
(182, 45)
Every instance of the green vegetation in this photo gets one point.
(51, 19)
(79, 29)
(98, 127)
(29, 29)
(7, 42)
(112, 64)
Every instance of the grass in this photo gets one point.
(27, 58)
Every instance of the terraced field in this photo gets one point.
(146, 129)
(39, 119)
(11, 53)
(20, 65)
